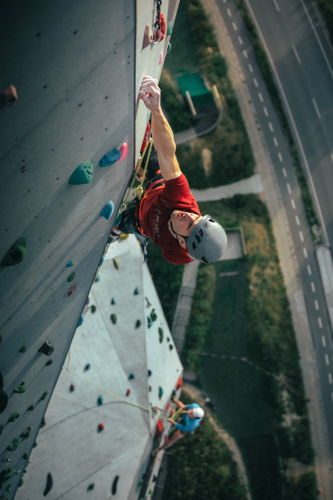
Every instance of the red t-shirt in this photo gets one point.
(155, 210)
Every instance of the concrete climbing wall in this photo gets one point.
(75, 68)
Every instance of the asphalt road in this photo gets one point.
(303, 61)
(275, 142)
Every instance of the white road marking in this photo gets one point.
(289, 188)
(327, 360)
(266, 114)
(255, 82)
(280, 157)
(313, 288)
(276, 5)
(293, 204)
(275, 141)
(271, 128)
(323, 340)
(284, 171)
(245, 54)
(320, 323)
(332, 396)
(260, 97)
(298, 59)
(330, 379)
(308, 267)
(250, 68)
(234, 25)
(305, 253)
(240, 40)
(316, 305)
(301, 237)
(297, 220)
(229, 13)
(314, 102)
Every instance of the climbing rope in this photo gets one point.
(115, 396)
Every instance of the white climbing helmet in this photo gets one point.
(207, 241)
(198, 412)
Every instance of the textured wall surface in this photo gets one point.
(76, 67)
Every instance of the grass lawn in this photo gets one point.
(236, 387)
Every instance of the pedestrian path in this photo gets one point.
(252, 184)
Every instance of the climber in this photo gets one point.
(190, 419)
(168, 213)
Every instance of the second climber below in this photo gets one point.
(167, 212)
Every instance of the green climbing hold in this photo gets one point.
(160, 392)
(91, 487)
(82, 174)
(170, 28)
(93, 309)
(71, 276)
(15, 254)
(23, 349)
(113, 318)
(25, 434)
(153, 315)
(131, 376)
(13, 445)
(21, 388)
(160, 334)
(136, 291)
(138, 323)
(14, 416)
(113, 302)
(100, 400)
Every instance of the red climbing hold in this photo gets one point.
(70, 291)
(128, 392)
(123, 151)
(179, 383)
(159, 33)
(147, 37)
(145, 138)
(100, 427)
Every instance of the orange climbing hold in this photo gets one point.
(159, 32)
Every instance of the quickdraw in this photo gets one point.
(160, 28)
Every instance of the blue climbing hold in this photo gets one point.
(70, 263)
(110, 158)
(79, 323)
(101, 261)
(107, 210)
(82, 174)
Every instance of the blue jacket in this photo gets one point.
(189, 424)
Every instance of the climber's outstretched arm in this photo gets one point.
(162, 134)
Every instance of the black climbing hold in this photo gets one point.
(131, 376)
(31, 407)
(71, 276)
(48, 485)
(137, 323)
(113, 318)
(160, 334)
(149, 373)
(21, 388)
(114, 485)
(100, 400)
(43, 396)
(14, 416)
(113, 302)
(136, 291)
(23, 349)
(153, 315)
(15, 254)
(13, 445)
(3, 400)
(149, 388)
(91, 486)
(93, 309)
(170, 347)
(47, 348)
(49, 362)
(72, 388)
(43, 423)
(26, 433)
(87, 367)
(82, 174)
